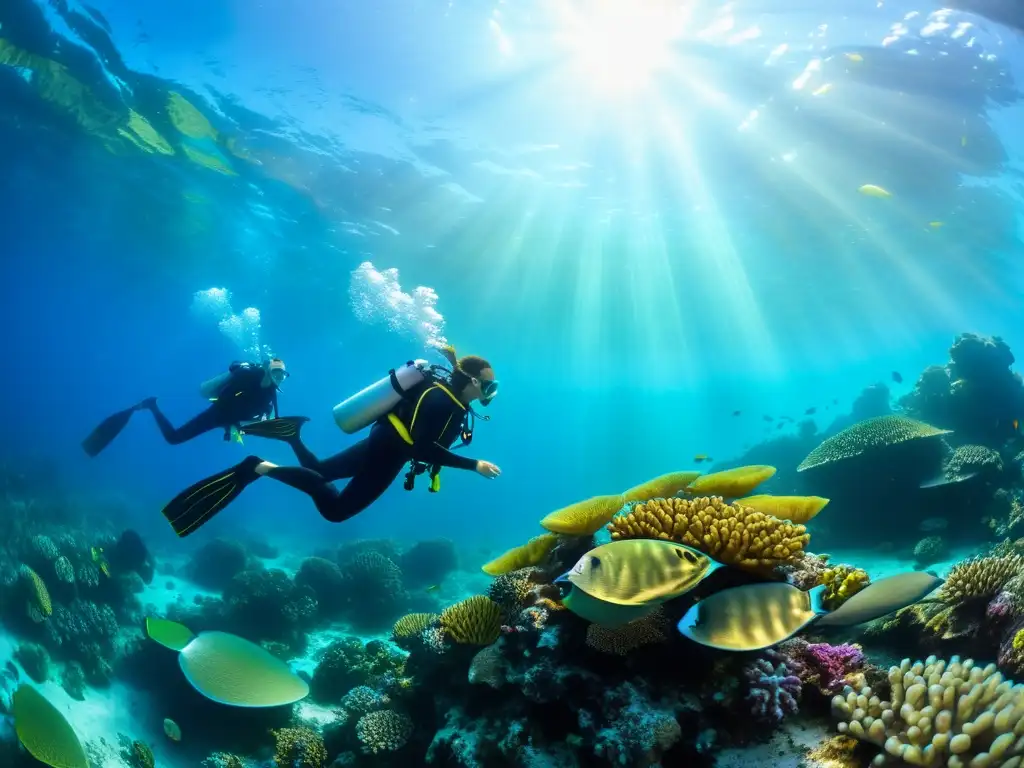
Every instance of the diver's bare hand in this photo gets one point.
(487, 469)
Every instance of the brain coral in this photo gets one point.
(938, 713)
(474, 621)
(979, 578)
(730, 533)
(868, 435)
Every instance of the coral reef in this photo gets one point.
(268, 605)
(729, 533)
(937, 712)
(841, 583)
(929, 550)
(973, 459)
(869, 435)
(979, 578)
(347, 663)
(383, 731)
(216, 563)
(623, 640)
(373, 589)
(427, 563)
(299, 748)
(323, 578)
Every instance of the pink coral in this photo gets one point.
(833, 663)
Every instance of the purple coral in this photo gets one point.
(832, 663)
(774, 692)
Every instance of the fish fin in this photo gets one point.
(817, 596)
(169, 634)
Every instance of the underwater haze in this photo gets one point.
(686, 235)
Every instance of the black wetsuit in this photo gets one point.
(242, 398)
(434, 420)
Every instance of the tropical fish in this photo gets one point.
(228, 669)
(947, 479)
(639, 571)
(1016, 424)
(798, 509)
(897, 377)
(935, 224)
(236, 434)
(873, 190)
(762, 615)
(101, 561)
(883, 597)
(603, 613)
(172, 730)
(854, 56)
(822, 90)
(752, 617)
(702, 457)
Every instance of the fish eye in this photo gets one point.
(595, 561)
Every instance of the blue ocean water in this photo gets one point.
(675, 229)
(643, 228)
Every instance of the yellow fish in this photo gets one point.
(639, 571)
(935, 224)
(873, 190)
(236, 435)
(822, 90)
(854, 56)
(798, 509)
(101, 561)
(963, 141)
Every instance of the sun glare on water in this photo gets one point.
(618, 45)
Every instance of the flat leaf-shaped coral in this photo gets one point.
(797, 509)
(661, 487)
(527, 555)
(731, 482)
(584, 517)
(44, 732)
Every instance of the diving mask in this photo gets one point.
(277, 372)
(488, 391)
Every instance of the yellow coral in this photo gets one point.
(474, 621)
(584, 517)
(628, 637)
(39, 605)
(660, 487)
(732, 534)
(299, 748)
(979, 578)
(528, 555)
(837, 752)
(413, 623)
(731, 482)
(1018, 640)
(841, 583)
(796, 509)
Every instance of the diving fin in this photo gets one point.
(191, 508)
(283, 428)
(107, 430)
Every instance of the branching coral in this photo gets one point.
(868, 435)
(474, 621)
(299, 748)
(979, 578)
(841, 583)
(938, 713)
(624, 639)
(383, 731)
(774, 692)
(730, 533)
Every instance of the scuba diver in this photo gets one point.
(245, 392)
(417, 412)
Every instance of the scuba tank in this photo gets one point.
(211, 388)
(369, 404)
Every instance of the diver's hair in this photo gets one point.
(463, 368)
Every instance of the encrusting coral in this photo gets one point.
(939, 712)
(383, 731)
(841, 583)
(979, 578)
(474, 621)
(299, 748)
(730, 533)
(868, 435)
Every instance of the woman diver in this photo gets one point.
(416, 414)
